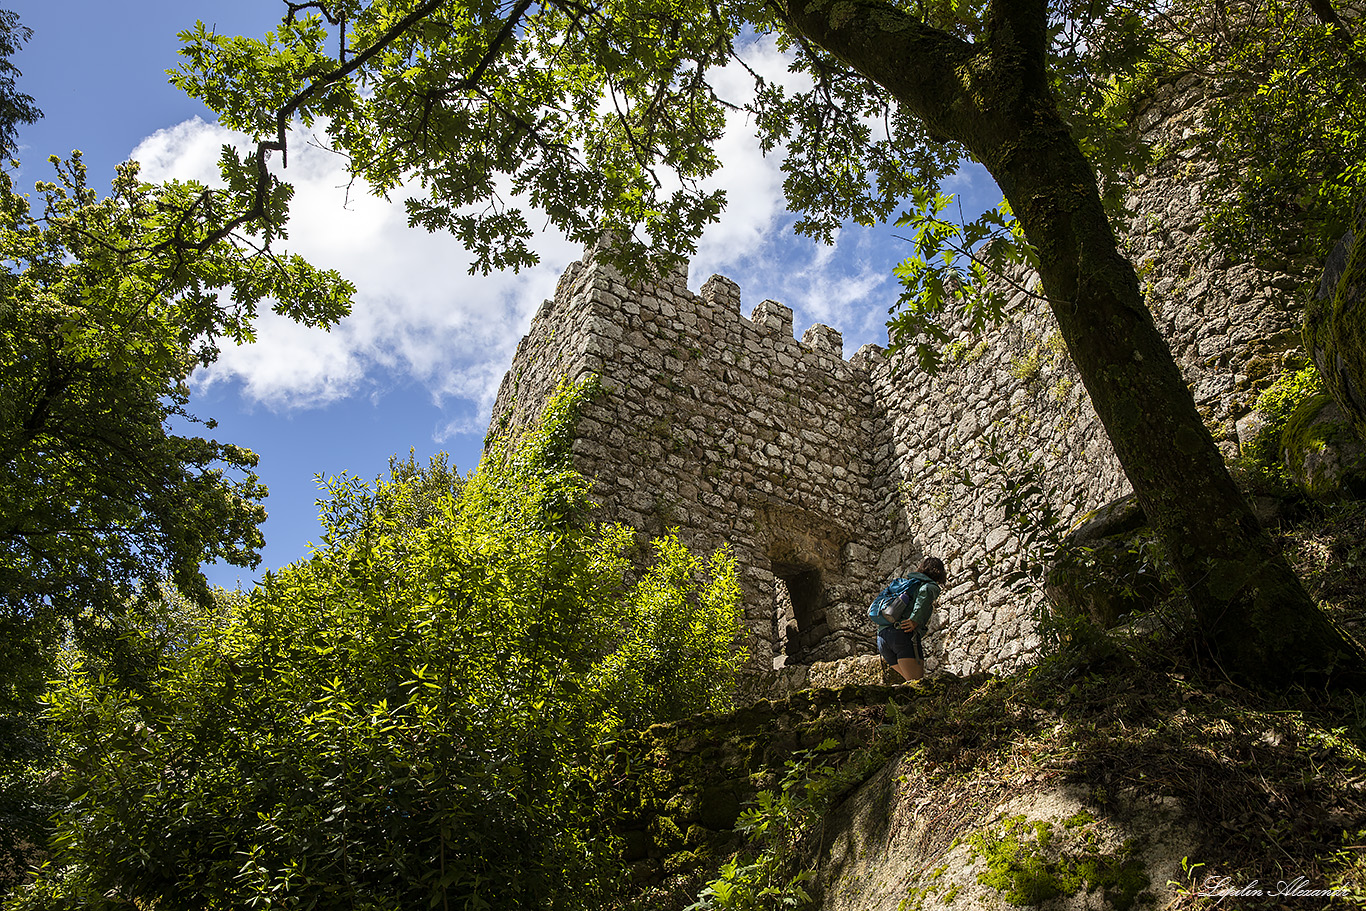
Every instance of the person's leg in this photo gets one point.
(909, 669)
(903, 652)
(885, 649)
(912, 667)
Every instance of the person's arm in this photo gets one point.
(924, 602)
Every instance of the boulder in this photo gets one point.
(1105, 571)
(1118, 517)
(907, 840)
(1335, 325)
(1322, 453)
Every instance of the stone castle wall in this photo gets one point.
(728, 429)
(1231, 325)
(829, 477)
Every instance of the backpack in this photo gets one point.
(898, 589)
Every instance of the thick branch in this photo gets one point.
(1329, 16)
(1017, 31)
(1346, 41)
(285, 114)
(922, 66)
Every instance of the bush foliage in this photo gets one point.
(404, 720)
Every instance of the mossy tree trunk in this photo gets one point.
(994, 97)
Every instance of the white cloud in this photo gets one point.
(756, 212)
(420, 317)
(418, 313)
(847, 285)
(290, 365)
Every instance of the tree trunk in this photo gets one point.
(1252, 611)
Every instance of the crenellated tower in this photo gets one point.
(728, 429)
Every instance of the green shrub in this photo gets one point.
(1260, 465)
(775, 824)
(404, 720)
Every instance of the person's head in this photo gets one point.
(934, 568)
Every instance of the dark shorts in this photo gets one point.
(893, 644)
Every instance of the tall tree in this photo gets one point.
(602, 115)
(106, 306)
(16, 107)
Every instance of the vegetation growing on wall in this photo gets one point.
(1265, 782)
(775, 825)
(1288, 129)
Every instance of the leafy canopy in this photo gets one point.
(1288, 134)
(605, 116)
(106, 306)
(406, 719)
(16, 107)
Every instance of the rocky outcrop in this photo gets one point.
(1321, 451)
(905, 823)
(901, 843)
(1335, 325)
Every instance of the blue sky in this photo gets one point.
(418, 362)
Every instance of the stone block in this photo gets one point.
(773, 318)
(822, 338)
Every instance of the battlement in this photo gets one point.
(726, 426)
(666, 306)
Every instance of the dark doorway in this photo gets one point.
(799, 613)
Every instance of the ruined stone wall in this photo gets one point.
(1232, 327)
(1015, 393)
(728, 429)
(829, 477)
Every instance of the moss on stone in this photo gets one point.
(684, 862)
(1320, 448)
(916, 894)
(1022, 867)
(665, 834)
(1335, 329)
(1027, 367)
(1016, 864)
(1079, 819)
(1119, 875)
(697, 836)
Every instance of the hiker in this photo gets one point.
(903, 620)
